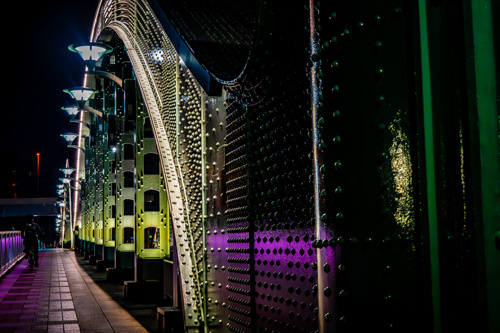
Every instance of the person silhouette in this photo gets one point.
(30, 235)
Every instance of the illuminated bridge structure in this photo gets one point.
(314, 167)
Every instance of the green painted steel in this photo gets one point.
(430, 167)
(486, 96)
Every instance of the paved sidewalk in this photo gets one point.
(59, 296)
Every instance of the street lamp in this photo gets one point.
(71, 110)
(67, 171)
(91, 53)
(68, 180)
(65, 180)
(81, 95)
(70, 137)
(37, 174)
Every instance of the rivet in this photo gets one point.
(381, 99)
(397, 11)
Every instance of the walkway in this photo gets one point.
(59, 296)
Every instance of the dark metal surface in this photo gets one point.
(218, 33)
(274, 247)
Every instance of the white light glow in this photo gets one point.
(65, 180)
(71, 110)
(80, 94)
(91, 52)
(70, 137)
(67, 171)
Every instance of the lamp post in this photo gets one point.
(67, 171)
(62, 204)
(66, 181)
(71, 110)
(70, 137)
(91, 54)
(37, 174)
(81, 95)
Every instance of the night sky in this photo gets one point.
(37, 67)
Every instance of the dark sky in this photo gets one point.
(37, 66)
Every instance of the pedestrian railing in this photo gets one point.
(11, 249)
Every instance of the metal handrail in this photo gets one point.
(11, 249)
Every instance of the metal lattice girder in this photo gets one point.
(155, 64)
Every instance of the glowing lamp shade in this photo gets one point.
(91, 53)
(71, 110)
(70, 137)
(60, 192)
(80, 94)
(65, 180)
(67, 171)
(60, 186)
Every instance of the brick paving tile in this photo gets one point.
(58, 296)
